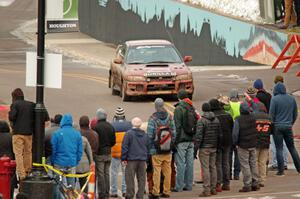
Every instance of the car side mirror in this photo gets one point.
(188, 59)
(118, 61)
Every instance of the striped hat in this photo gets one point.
(119, 112)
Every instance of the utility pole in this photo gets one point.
(38, 185)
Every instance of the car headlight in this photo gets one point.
(184, 77)
(135, 78)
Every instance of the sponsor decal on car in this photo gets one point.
(160, 74)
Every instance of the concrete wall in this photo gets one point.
(211, 39)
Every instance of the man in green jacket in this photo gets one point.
(185, 119)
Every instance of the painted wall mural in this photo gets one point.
(211, 39)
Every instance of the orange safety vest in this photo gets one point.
(116, 150)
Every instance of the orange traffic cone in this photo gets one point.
(91, 188)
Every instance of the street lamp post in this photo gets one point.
(38, 185)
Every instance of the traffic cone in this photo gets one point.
(91, 188)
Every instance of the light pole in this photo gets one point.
(38, 185)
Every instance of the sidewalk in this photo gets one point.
(75, 45)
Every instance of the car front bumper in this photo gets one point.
(158, 87)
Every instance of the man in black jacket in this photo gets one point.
(263, 96)
(21, 117)
(207, 138)
(245, 137)
(223, 167)
(263, 129)
(107, 139)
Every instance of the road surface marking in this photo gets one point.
(75, 75)
(170, 105)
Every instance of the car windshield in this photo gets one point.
(152, 54)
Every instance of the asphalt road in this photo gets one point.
(85, 89)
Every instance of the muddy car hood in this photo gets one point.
(156, 69)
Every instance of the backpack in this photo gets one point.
(189, 126)
(163, 137)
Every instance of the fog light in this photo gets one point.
(181, 86)
(139, 88)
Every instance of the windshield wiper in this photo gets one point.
(136, 62)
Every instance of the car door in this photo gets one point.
(120, 67)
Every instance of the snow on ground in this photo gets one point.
(246, 9)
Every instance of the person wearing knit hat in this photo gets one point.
(107, 139)
(278, 78)
(134, 157)
(101, 114)
(121, 126)
(160, 126)
(250, 97)
(223, 150)
(258, 84)
(251, 92)
(206, 140)
(159, 105)
(182, 94)
(262, 95)
(119, 113)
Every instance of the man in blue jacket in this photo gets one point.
(284, 112)
(66, 147)
(134, 156)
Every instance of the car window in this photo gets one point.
(152, 54)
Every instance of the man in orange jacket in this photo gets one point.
(121, 125)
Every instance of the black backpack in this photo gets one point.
(163, 137)
(191, 120)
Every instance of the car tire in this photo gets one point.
(123, 95)
(111, 83)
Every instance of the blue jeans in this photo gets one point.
(285, 133)
(114, 171)
(184, 158)
(233, 158)
(273, 151)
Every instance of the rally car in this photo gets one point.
(149, 67)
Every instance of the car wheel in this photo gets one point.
(123, 94)
(111, 83)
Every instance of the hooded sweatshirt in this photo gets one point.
(135, 145)
(208, 131)
(283, 108)
(159, 118)
(180, 119)
(66, 144)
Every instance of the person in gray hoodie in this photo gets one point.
(284, 112)
(134, 156)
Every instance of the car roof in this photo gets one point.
(147, 42)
